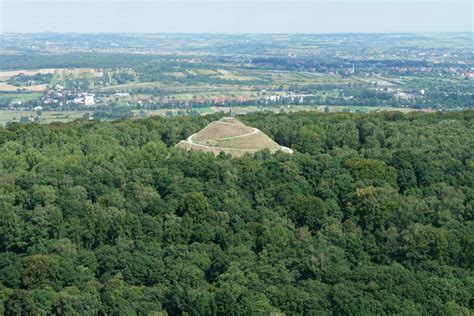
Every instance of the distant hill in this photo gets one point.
(231, 136)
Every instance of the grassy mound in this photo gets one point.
(232, 137)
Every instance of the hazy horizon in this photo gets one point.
(236, 17)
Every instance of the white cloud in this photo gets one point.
(221, 16)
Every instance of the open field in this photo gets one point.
(269, 80)
(5, 75)
(45, 118)
(133, 85)
(60, 74)
(380, 81)
(8, 87)
(15, 97)
(285, 77)
(184, 92)
(78, 73)
(234, 75)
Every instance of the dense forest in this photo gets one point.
(372, 215)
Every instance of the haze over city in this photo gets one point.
(236, 16)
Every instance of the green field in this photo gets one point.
(45, 118)
(15, 97)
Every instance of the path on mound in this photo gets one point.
(190, 140)
(255, 131)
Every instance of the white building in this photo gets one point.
(89, 99)
(85, 98)
(122, 94)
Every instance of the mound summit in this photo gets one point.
(232, 137)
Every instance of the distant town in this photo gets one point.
(117, 76)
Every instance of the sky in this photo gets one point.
(227, 16)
